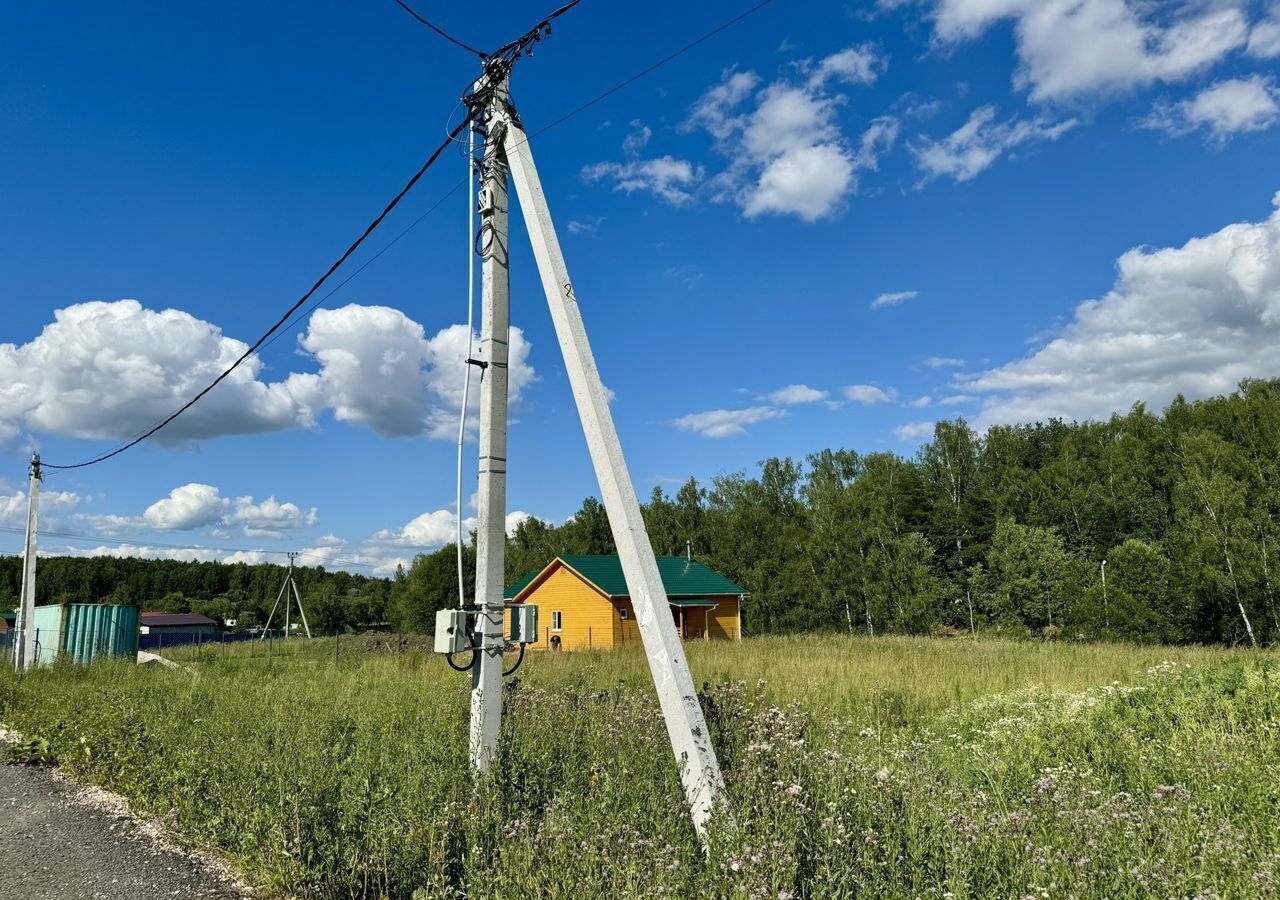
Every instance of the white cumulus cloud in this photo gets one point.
(270, 518)
(110, 370)
(1071, 48)
(721, 423)
(862, 64)
(196, 506)
(187, 507)
(795, 393)
(665, 177)
(13, 507)
(514, 520)
(786, 152)
(1225, 108)
(980, 141)
(913, 431)
(1195, 319)
(893, 299)
(1264, 38)
(868, 394)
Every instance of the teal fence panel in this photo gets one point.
(48, 637)
(83, 632)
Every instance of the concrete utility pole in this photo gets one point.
(686, 726)
(491, 534)
(24, 649)
(1106, 611)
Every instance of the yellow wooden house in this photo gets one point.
(583, 602)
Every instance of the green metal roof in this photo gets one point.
(680, 577)
(692, 602)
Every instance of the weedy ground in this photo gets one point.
(876, 767)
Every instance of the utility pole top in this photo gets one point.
(35, 466)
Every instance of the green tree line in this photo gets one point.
(239, 591)
(1005, 531)
(1145, 527)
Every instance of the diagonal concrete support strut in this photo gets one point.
(686, 726)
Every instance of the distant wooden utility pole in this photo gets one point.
(24, 649)
(288, 590)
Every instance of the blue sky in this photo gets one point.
(828, 226)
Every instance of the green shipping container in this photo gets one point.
(82, 632)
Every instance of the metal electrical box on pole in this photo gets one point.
(24, 649)
(491, 499)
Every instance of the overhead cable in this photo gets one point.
(364, 265)
(512, 50)
(271, 335)
(283, 319)
(658, 65)
(440, 31)
(100, 539)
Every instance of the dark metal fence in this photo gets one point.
(159, 641)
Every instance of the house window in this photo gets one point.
(624, 614)
(556, 620)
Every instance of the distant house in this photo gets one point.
(176, 623)
(584, 603)
(7, 621)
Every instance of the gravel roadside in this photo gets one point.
(63, 841)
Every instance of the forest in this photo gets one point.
(221, 591)
(1146, 527)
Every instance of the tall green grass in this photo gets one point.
(891, 767)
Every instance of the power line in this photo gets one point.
(444, 34)
(364, 265)
(658, 65)
(511, 51)
(561, 120)
(283, 319)
(281, 326)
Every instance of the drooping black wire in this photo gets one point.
(519, 659)
(561, 120)
(269, 338)
(457, 668)
(283, 319)
(658, 65)
(444, 34)
(533, 35)
(364, 265)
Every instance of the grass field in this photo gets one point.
(880, 767)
